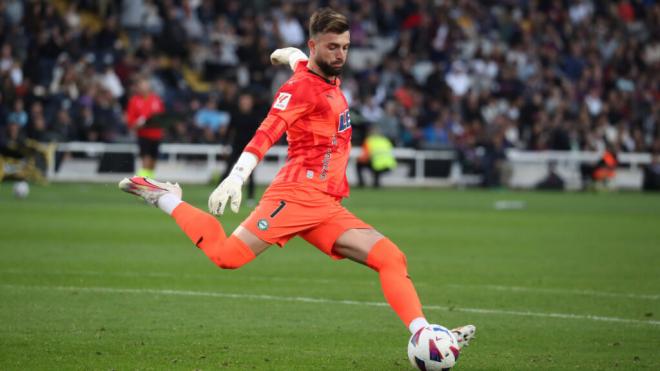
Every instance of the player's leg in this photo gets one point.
(369, 247)
(147, 166)
(343, 235)
(148, 155)
(206, 232)
(202, 228)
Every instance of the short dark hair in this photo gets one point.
(327, 20)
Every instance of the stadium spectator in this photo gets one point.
(371, 111)
(132, 16)
(152, 20)
(109, 80)
(289, 29)
(242, 126)
(108, 115)
(12, 141)
(6, 58)
(18, 115)
(63, 128)
(389, 125)
(651, 180)
(212, 122)
(458, 79)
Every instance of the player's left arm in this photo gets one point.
(269, 132)
(290, 104)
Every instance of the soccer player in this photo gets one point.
(305, 197)
(143, 105)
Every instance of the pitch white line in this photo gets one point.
(374, 282)
(302, 299)
(172, 275)
(558, 291)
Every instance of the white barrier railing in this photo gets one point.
(199, 163)
(528, 168)
(177, 165)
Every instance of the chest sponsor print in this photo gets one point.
(344, 121)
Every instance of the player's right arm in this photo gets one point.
(290, 104)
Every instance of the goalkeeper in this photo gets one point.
(305, 197)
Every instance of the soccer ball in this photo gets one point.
(433, 348)
(21, 189)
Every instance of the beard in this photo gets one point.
(328, 69)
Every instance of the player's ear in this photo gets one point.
(311, 44)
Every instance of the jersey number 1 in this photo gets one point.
(279, 208)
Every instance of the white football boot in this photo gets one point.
(149, 189)
(464, 334)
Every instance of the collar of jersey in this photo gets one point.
(327, 81)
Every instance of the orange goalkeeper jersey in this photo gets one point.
(314, 114)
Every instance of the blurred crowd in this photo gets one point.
(475, 76)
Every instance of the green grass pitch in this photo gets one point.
(92, 278)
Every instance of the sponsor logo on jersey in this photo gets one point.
(326, 164)
(282, 101)
(344, 121)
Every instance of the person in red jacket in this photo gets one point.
(143, 105)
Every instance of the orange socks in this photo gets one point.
(390, 263)
(206, 232)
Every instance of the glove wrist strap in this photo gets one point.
(296, 57)
(244, 166)
(236, 178)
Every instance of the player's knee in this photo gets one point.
(233, 254)
(228, 264)
(204, 230)
(386, 255)
(398, 259)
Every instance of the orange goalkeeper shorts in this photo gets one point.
(288, 211)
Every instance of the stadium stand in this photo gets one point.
(476, 77)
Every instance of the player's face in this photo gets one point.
(329, 52)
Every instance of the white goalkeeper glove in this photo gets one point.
(290, 56)
(230, 187)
